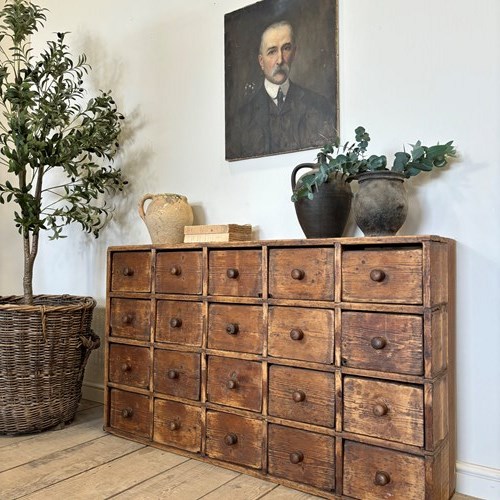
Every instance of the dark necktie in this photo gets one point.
(280, 98)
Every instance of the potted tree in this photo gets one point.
(56, 150)
(380, 205)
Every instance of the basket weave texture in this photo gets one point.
(43, 352)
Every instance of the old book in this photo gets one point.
(217, 232)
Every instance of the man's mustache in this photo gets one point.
(281, 68)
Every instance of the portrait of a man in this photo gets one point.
(277, 102)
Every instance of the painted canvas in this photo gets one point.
(281, 77)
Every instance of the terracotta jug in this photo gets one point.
(165, 217)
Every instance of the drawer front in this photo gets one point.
(130, 318)
(299, 333)
(372, 473)
(386, 410)
(385, 342)
(177, 424)
(179, 322)
(131, 272)
(235, 328)
(382, 276)
(179, 272)
(303, 395)
(235, 273)
(129, 365)
(235, 439)
(129, 412)
(302, 456)
(301, 273)
(235, 382)
(177, 374)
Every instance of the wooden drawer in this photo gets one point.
(179, 272)
(301, 273)
(129, 412)
(303, 395)
(235, 328)
(177, 373)
(300, 333)
(386, 410)
(235, 273)
(392, 275)
(179, 322)
(235, 439)
(131, 272)
(235, 382)
(129, 365)
(302, 456)
(130, 318)
(383, 342)
(372, 473)
(177, 424)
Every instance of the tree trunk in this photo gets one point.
(30, 252)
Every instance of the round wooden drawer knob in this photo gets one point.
(127, 412)
(230, 439)
(232, 328)
(127, 271)
(232, 384)
(175, 322)
(175, 271)
(126, 367)
(378, 342)
(298, 274)
(296, 457)
(380, 410)
(296, 334)
(299, 396)
(382, 478)
(172, 374)
(377, 275)
(127, 319)
(174, 426)
(232, 273)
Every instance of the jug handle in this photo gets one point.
(141, 205)
(297, 168)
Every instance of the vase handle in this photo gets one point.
(297, 168)
(141, 205)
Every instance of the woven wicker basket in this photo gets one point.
(43, 352)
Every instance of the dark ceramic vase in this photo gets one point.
(381, 203)
(325, 216)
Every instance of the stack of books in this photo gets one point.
(217, 232)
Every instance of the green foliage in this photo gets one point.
(56, 147)
(350, 159)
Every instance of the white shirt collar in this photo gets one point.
(272, 88)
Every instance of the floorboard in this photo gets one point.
(81, 461)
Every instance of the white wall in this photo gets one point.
(426, 70)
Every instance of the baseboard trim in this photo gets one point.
(93, 392)
(478, 481)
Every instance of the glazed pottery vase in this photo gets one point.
(381, 203)
(165, 217)
(325, 216)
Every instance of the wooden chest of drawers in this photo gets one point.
(324, 365)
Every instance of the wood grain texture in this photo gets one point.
(178, 272)
(402, 276)
(130, 318)
(303, 334)
(179, 322)
(377, 341)
(130, 412)
(386, 410)
(129, 365)
(302, 395)
(238, 328)
(305, 273)
(405, 473)
(236, 439)
(131, 272)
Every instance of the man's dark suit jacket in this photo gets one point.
(305, 120)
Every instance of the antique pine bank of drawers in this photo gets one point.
(324, 365)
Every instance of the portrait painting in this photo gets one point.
(281, 77)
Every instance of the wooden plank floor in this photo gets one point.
(81, 461)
